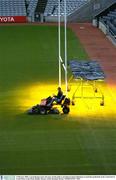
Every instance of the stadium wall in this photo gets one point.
(90, 10)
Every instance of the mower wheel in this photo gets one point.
(66, 110)
(35, 110)
(43, 111)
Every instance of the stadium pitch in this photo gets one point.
(80, 143)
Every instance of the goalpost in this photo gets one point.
(62, 63)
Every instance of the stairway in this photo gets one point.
(41, 5)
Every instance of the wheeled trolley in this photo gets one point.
(86, 75)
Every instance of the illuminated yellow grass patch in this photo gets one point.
(26, 97)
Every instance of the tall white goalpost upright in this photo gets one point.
(59, 43)
(65, 33)
(61, 62)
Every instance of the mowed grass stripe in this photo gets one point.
(45, 162)
(65, 139)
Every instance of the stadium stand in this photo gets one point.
(47, 10)
(12, 8)
(107, 23)
(31, 7)
(50, 7)
(72, 5)
(110, 21)
(105, 20)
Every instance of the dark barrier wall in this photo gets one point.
(13, 19)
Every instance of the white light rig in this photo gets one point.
(61, 62)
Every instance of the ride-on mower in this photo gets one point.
(46, 106)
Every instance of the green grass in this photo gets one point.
(46, 144)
